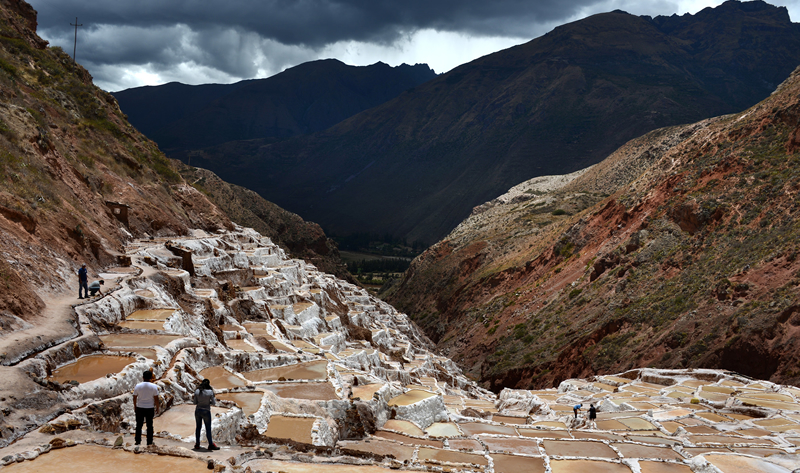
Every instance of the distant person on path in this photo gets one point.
(204, 399)
(576, 408)
(83, 282)
(144, 403)
(94, 287)
(592, 414)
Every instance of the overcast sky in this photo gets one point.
(146, 42)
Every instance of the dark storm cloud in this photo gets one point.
(315, 23)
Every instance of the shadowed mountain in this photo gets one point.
(416, 166)
(307, 98)
(678, 250)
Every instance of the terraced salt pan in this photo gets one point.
(585, 466)
(151, 314)
(629, 450)
(511, 445)
(289, 467)
(249, 402)
(443, 429)
(148, 353)
(578, 449)
(311, 370)
(516, 464)
(404, 426)
(448, 456)
(476, 428)
(293, 428)
(381, 447)
(663, 467)
(366, 391)
(411, 397)
(408, 440)
(221, 378)
(91, 367)
(241, 345)
(132, 340)
(309, 391)
(742, 464)
(95, 459)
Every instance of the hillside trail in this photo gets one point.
(58, 322)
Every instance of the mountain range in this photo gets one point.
(416, 165)
(680, 249)
(303, 99)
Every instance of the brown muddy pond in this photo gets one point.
(404, 426)
(280, 346)
(450, 456)
(661, 467)
(293, 428)
(515, 464)
(584, 466)
(475, 428)
(317, 369)
(409, 440)
(90, 368)
(142, 324)
(95, 459)
(151, 314)
(249, 402)
(290, 467)
(412, 397)
(465, 444)
(366, 391)
(380, 447)
(221, 378)
(506, 445)
(510, 420)
(148, 353)
(136, 340)
(629, 450)
(241, 345)
(309, 391)
(578, 449)
(544, 434)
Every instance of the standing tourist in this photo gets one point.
(144, 403)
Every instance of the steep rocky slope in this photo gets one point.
(679, 250)
(415, 166)
(77, 181)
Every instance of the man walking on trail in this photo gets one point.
(94, 287)
(144, 403)
(83, 282)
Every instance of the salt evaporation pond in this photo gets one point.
(317, 369)
(514, 464)
(220, 378)
(148, 353)
(450, 456)
(443, 429)
(142, 324)
(584, 466)
(412, 397)
(403, 426)
(293, 428)
(135, 340)
(91, 367)
(249, 402)
(309, 391)
(95, 459)
(151, 314)
(240, 345)
(288, 467)
(366, 391)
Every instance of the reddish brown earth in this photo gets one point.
(679, 250)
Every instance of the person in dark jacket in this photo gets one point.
(83, 282)
(592, 415)
(204, 399)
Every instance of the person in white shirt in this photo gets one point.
(145, 395)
